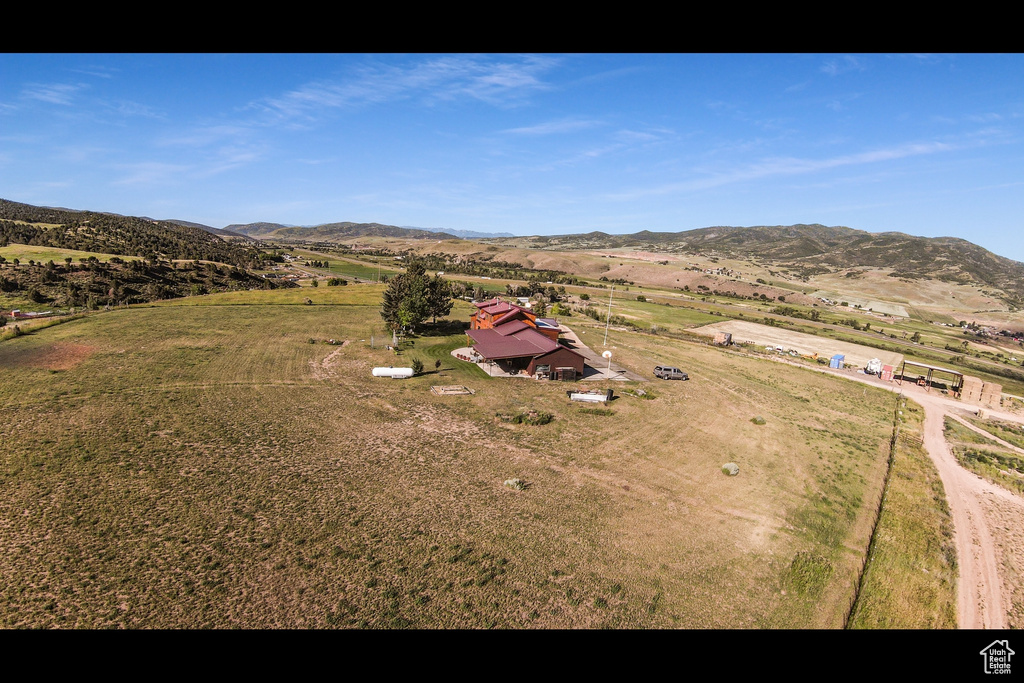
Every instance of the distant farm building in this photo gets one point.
(968, 389)
(924, 375)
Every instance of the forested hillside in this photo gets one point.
(113, 234)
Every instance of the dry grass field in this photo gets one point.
(207, 466)
(911, 576)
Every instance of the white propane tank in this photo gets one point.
(588, 397)
(393, 373)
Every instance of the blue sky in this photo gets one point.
(929, 145)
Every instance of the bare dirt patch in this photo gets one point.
(59, 356)
(323, 369)
(801, 342)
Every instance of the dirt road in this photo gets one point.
(980, 590)
(990, 558)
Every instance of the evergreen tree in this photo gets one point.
(413, 296)
(439, 297)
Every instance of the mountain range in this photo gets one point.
(808, 249)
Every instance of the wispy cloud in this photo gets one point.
(984, 118)
(230, 158)
(925, 58)
(555, 127)
(587, 155)
(96, 70)
(786, 166)
(504, 80)
(316, 162)
(202, 136)
(641, 136)
(844, 64)
(54, 93)
(151, 173)
(219, 148)
(129, 108)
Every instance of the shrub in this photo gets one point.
(531, 417)
(596, 411)
(417, 366)
(640, 393)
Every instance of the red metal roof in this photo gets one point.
(485, 304)
(525, 341)
(513, 312)
(511, 327)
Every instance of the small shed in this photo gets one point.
(837, 361)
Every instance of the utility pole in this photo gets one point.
(608, 321)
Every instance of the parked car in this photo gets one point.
(667, 372)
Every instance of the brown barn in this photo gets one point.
(495, 312)
(517, 347)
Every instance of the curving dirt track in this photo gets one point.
(980, 590)
(990, 558)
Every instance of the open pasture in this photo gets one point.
(29, 252)
(207, 466)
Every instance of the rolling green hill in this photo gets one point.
(328, 232)
(817, 249)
